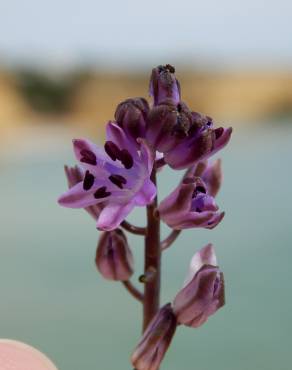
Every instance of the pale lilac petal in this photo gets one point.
(190, 220)
(116, 134)
(81, 145)
(212, 176)
(77, 197)
(147, 155)
(215, 220)
(112, 215)
(223, 140)
(146, 194)
(205, 256)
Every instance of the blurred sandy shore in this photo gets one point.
(228, 97)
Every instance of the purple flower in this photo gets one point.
(190, 205)
(168, 125)
(117, 177)
(155, 341)
(114, 258)
(184, 137)
(200, 142)
(203, 291)
(164, 87)
(131, 115)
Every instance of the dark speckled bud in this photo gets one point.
(168, 125)
(114, 258)
(164, 87)
(155, 341)
(131, 116)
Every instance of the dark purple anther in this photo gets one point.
(126, 159)
(112, 150)
(87, 156)
(101, 193)
(88, 181)
(118, 180)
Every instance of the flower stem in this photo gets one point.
(133, 290)
(167, 242)
(152, 261)
(133, 229)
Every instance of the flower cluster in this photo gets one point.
(111, 180)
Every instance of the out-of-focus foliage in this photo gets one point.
(48, 93)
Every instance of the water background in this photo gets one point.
(53, 298)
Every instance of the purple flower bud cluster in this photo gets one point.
(111, 180)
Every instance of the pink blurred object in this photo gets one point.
(19, 356)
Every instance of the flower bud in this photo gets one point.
(131, 116)
(155, 341)
(190, 206)
(164, 87)
(203, 291)
(168, 125)
(200, 142)
(114, 258)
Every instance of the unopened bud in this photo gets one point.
(164, 87)
(131, 116)
(203, 292)
(114, 258)
(155, 341)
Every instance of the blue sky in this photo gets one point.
(136, 33)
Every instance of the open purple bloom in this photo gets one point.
(117, 177)
(190, 205)
(114, 258)
(203, 291)
(164, 87)
(155, 341)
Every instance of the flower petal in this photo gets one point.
(147, 155)
(146, 194)
(117, 135)
(90, 155)
(205, 256)
(77, 197)
(113, 214)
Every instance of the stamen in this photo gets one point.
(88, 157)
(200, 189)
(126, 159)
(112, 150)
(118, 180)
(88, 181)
(101, 193)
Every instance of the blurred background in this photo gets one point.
(64, 66)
